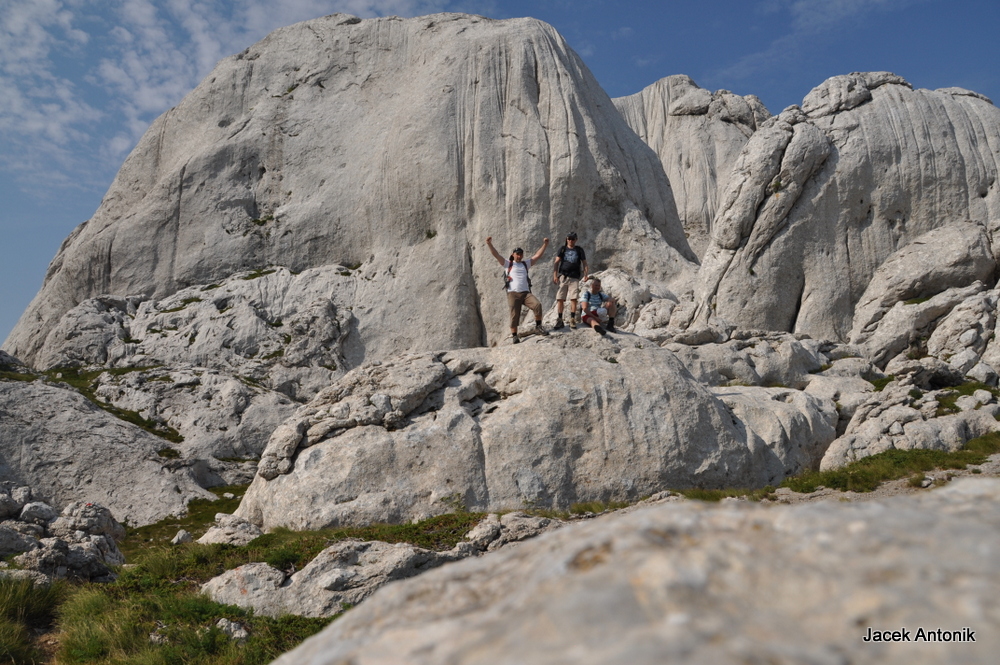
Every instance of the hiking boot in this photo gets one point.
(599, 329)
(572, 323)
(540, 330)
(611, 325)
(559, 324)
(514, 339)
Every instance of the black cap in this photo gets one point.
(518, 250)
(571, 235)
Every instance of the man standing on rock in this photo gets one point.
(518, 286)
(598, 308)
(569, 268)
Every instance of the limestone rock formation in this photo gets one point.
(694, 583)
(698, 136)
(907, 414)
(554, 421)
(346, 573)
(81, 543)
(390, 146)
(821, 197)
(67, 449)
(340, 576)
(230, 530)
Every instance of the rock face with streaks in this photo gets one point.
(697, 583)
(483, 128)
(823, 195)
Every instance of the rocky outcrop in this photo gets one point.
(391, 146)
(68, 450)
(81, 543)
(340, 576)
(698, 136)
(694, 583)
(554, 421)
(916, 410)
(822, 196)
(281, 330)
(230, 530)
(346, 573)
(951, 256)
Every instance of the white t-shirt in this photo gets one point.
(518, 275)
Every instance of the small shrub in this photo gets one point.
(284, 558)
(880, 384)
(168, 453)
(258, 273)
(184, 303)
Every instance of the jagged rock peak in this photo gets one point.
(697, 135)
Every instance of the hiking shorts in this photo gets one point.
(517, 299)
(600, 315)
(568, 286)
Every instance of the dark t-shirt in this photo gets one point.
(571, 261)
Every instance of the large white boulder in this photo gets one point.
(551, 422)
(695, 583)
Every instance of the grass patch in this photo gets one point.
(169, 453)
(110, 625)
(200, 515)
(162, 564)
(273, 355)
(866, 474)
(6, 375)
(718, 495)
(597, 507)
(24, 610)
(263, 220)
(916, 301)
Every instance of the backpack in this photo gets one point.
(506, 273)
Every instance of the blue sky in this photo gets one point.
(82, 79)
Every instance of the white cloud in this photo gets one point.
(84, 78)
(808, 20)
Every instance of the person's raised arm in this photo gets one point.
(496, 254)
(541, 251)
